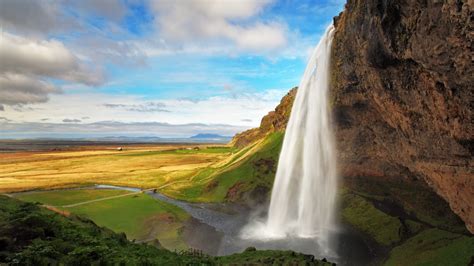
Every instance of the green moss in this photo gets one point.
(414, 227)
(413, 196)
(434, 247)
(361, 214)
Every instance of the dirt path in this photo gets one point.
(101, 199)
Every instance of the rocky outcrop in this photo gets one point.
(274, 121)
(403, 79)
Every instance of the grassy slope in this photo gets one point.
(139, 216)
(256, 170)
(30, 235)
(248, 168)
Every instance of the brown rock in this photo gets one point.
(403, 80)
(274, 121)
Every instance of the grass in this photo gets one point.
(248, 168)
(139, 216)
(31, 235)
(66, 197)
(256, 170)
(434, 247)
(144, 167)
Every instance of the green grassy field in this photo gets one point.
(139, 216)
(66, 197)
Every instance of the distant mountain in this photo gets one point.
(209, 136)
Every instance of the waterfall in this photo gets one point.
(304, 193)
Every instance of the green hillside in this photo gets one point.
(32, 235)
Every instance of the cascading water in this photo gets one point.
(303, 198)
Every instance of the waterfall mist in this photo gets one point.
(303, 199)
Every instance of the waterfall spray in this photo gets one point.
(303, 198)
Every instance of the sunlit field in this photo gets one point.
(151, 166)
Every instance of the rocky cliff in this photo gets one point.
(274, 121)
(402, 97)
(403, 78)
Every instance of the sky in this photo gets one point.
(167, 68)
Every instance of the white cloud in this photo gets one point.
(233, 110)
(27, 63)
(205, 22)
(22, 89)
(43, 58)
(32, 17)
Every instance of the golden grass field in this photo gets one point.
(142, 166)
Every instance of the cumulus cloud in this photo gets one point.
(43, 58)
(27, 63)
(144, 107)
(22, 89)
(183, 22)
(37, 17)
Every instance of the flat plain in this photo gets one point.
(140, 166)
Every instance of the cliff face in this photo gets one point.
(403, 80)
(402, 76)
(274, 121)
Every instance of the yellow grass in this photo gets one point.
(141, 166)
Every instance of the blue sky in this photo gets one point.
(75, 65)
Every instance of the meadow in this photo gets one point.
(180, 171)
(152, 166)
(136, 214)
